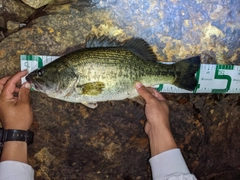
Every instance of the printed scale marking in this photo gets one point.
(211, 78)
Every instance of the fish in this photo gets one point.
(107, 70)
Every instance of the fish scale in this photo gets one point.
(118, 65)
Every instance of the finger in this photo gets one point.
(11, 83)
(1, 88)
(151, 90)
(16, 90)
(19, 83)
(4, 80)
(23, 95)
(143, 91)
(157, 94)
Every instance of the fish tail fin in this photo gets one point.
(185, 73)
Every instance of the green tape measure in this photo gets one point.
(212, 78)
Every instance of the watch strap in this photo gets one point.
(16, 135)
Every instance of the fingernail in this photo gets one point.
(27, 85)
(25, 70)
(138, 85)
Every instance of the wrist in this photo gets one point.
(16, 135)
(161, 140)
(22, 126)
(16, 127)
(14, 144)
(156, 129)
(17, 123)
(14, 151)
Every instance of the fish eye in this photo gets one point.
(40, 72)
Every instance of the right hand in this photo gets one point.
(157, 126)
(15, 112)
(156, 109)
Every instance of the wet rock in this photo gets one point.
(44, 156)
(37, 3)
(109, 142)
(16, 11)
(12, 25)
(1, 35)
(2, 22)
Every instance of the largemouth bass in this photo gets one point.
(108, 70)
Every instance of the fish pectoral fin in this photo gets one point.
(139, 99)
(91, 105)
(93, 88)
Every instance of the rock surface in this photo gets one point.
(37, 3)
(73, 142)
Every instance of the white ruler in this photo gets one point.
(211, 78)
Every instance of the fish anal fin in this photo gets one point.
(139, 99)
(92, 89)
(91, 105)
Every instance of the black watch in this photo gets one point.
(16, 135)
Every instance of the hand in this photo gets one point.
(15, 112)
(157, 126)
(156, 110)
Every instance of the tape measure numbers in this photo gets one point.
(211, 78)
(218, 79)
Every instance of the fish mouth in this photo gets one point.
(34, 84)
(29, 79)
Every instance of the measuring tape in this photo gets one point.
(212, 78)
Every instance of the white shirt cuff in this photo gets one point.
(168, 163)
(12, 170)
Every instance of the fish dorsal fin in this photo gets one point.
(141, 48)
(103, 41)
(136, 45)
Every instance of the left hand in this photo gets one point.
(15, 112)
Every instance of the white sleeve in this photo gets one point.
(170, 165)
(12, 170)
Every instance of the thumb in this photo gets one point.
(143, 91)
(23, 94)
